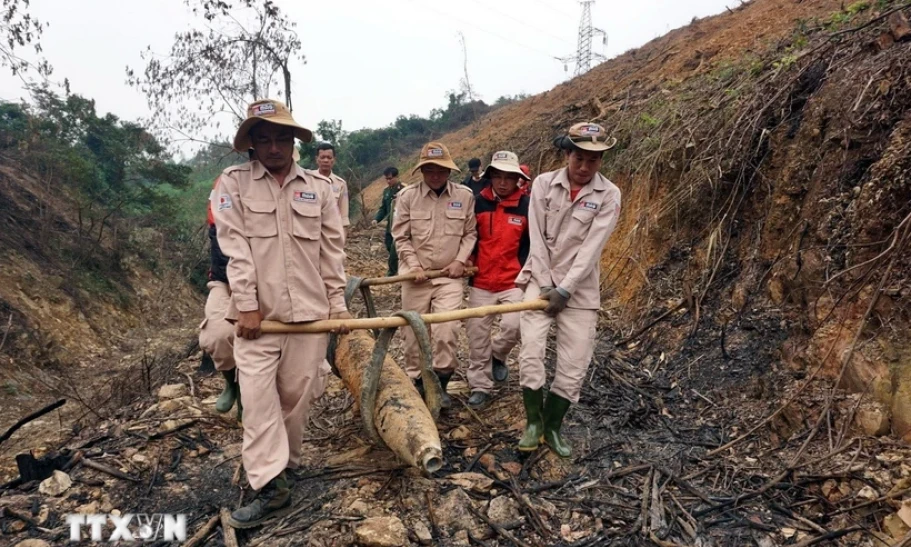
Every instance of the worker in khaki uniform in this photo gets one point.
(279, 225)
(434, 229)
(573, 212)
(325, 161)
(216, 334)
(502, 212)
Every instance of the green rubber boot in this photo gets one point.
(274, 500)
(230, 393)
(534, 422)
(555, 409)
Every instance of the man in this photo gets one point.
(572, 214)
(279, 225)
(393, 186)
(501, 251)
(474, 180)
(434, 229)
(216, 335)
(325, 161)
(525, 185)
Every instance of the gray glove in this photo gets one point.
(557, 299)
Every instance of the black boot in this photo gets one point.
(533, 399)
(273, 500)
(478, 400)
(230, 393)
(555, 409)
(445, 399)
(500, 371)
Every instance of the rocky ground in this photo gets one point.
(671, 448)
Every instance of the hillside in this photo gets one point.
(763, 160)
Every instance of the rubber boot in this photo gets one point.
(534, 421)
(445, 400)
(240, 407)
(230, 393)
(273, 500)
(555, 409)
(499, 370)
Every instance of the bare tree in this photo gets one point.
(243, 53)
(19, 29)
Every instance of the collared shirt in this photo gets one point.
(430, 230)
(567, 236)
(340, 189)
(284, 243)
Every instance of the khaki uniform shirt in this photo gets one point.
(284, 243)
(567, 236)
(340, 189)
(431, 231)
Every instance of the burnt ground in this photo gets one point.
(643, 471)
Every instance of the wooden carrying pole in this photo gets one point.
(430, 274)
(373, 323)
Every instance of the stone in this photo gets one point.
(90, 508)
(56, 484)
(461, 538)
(873, 421)
(358, 508)
(381, 532)
(33, 543)
(453, 514)
(895, 527)
(460, 433)
(172, 391)
(503, 510)
(472, 481)
(422, 533)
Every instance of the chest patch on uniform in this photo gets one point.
(589, 205)
(306, 197)
(224, 202)
(454, 205)
(515, 220)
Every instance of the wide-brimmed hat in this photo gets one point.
(435, 153)
(586, 136)
(272, 111)
(505, 161)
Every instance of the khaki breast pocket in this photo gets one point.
(581, 223)
(260, 219)
(306, 220)
(455, 223)
(421, 224)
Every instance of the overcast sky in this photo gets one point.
(367, 61)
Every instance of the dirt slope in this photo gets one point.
(79, 317)
(763, 159)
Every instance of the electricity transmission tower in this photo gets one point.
(584, 55)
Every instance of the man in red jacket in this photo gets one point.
(503, 244)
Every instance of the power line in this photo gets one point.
(555, 10)
(584, 55)
(524, 24)
(473, 26)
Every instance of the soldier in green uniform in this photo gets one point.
(386, 211)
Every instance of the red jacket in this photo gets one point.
(503, 240)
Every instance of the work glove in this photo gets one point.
(557, 300)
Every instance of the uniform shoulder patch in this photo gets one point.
(225, 202)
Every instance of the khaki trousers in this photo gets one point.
(280, 376)
(216, 335)
(576, 334)
(432, 297)
(480, 345)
